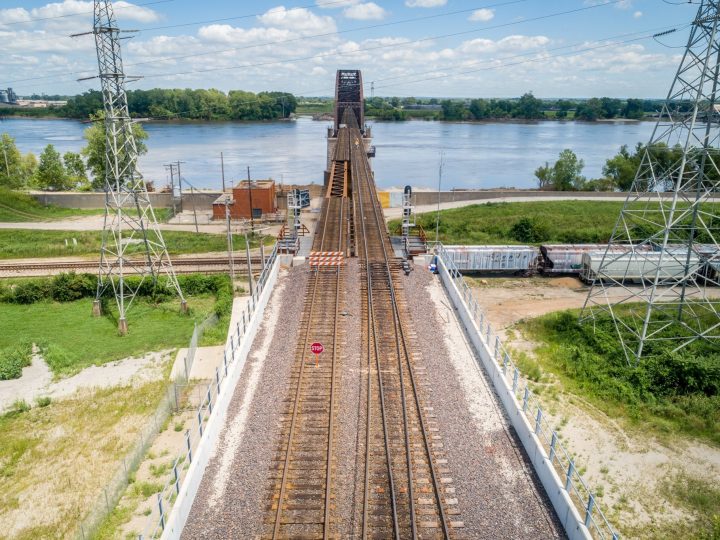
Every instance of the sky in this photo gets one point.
(429, 48)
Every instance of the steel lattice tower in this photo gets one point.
(669, 227)
(130, 226)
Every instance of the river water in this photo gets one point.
(475, 155)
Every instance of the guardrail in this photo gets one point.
(573, 500)
(215, 398)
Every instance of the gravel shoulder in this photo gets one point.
(497, 491)
(232, 497)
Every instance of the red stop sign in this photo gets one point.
(317, 348)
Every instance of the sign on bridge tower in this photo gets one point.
(349, 94)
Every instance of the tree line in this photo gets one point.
(188, 104)
(618, 172)
(66, 172)
(526, 107)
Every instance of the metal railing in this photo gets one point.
(582, 496)
(166, 496)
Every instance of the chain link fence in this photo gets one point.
(154, 424)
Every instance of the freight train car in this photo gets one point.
(639, 266)
(494, 259)
(564, 258)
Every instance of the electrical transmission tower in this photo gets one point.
(666, 238)
(130, 227)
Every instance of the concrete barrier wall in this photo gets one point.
(211, 435)
(551, 482)
(65, 199)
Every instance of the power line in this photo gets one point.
(76, 14)
(385, 46)
(284, 41)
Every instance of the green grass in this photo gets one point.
(21, 207)
(492, 223)
(315, 108)
(667, 393)
(55, 460)
(25, 243)
(72, 339)
(13, 359)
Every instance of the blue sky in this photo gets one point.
(498, 48)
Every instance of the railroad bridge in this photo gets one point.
(393, 476)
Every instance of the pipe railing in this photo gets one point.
(582, 495)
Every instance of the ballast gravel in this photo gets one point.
(234, 505)
(498, 493)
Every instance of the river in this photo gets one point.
(483, 155)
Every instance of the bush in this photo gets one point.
(43, 401)
(29, 292)
(67, 287)
(13, 360)
(529, 230)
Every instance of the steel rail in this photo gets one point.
(373, 334)
(324, 237)
(401, 339)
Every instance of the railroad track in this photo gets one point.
(401, 491)
(185, 265)
(302, 473)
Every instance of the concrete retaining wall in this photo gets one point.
(67, 199)
(551, 482)
(211, 435)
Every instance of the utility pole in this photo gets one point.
(180, 184)
(171, 168)
(249, 263)
(129, 222)
(437, 219)
(192, 194)
(229, 241)
(252, 217)
(222, 170)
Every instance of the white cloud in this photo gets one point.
(301, 20)
(365, 12)
(482, 15)
(638, 14)
(425, 3)
(335, 4)
(508, 43)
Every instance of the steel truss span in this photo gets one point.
(670, 244)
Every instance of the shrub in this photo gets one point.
(13, 360)
(67, 287)
(29, 292)
(529, 230)
(43, 401)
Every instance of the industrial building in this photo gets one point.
(258, 195)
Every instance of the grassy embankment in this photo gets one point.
(21, 207)
(671, 396)
(57, 455)
(497, 223)
(55, 314)
(29, 243)
(561, 222)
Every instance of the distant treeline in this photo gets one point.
(526, 107)
(181, 104)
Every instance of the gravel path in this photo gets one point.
(232, 501)
(498, 493)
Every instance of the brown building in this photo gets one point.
(262, 194)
